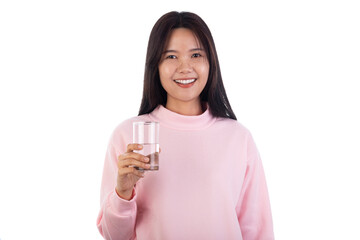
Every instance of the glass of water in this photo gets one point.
(147, 134)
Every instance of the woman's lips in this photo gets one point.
(185, 83)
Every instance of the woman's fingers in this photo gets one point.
(131, 170)
(131, 159)
(133, 155)
(133, 146)
(131, 162)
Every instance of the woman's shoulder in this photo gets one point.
(232, 125)
(235, 129)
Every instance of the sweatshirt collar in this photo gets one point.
(174, 120)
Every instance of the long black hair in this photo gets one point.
(153, 92)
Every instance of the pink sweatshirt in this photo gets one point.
(210, 184)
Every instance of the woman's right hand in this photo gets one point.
(128, 175)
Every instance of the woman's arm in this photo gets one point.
(253, 208)
(116, 219)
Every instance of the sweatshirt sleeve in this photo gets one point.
(116, 219)
(253, 208)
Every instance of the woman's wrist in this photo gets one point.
(127, 195)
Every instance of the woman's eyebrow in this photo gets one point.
(196, 49)
(167, 51)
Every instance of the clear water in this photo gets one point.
(150, 150)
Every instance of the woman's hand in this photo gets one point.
(127, 174)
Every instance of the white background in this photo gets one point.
(71, 71)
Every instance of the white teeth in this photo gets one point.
(185, 81)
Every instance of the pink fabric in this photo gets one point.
(210, 184)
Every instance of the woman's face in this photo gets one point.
(183, 68)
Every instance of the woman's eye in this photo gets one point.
(171, 57)
(196, 55)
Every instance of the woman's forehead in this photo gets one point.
(183, 38)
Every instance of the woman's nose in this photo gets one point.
(184, 66)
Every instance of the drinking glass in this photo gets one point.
(147, 134)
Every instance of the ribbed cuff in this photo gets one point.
(126, 207)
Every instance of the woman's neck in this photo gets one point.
(186, 108)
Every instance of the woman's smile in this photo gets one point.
(185, 83)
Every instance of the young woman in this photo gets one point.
(211, 182)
